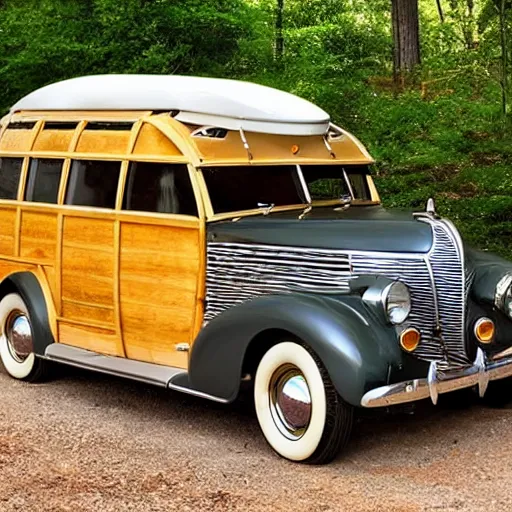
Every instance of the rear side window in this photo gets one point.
(43, 180)
(160, 188)
(10, 172)
(250, 187)
(93, 183)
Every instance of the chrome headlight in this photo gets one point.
(396, 300)
(503, 295)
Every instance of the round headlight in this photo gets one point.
(503, 295)
(397, 302)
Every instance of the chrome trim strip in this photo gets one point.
(148, 373)
(199, 394)
(501, 291)
(500, 355)
(479, 374)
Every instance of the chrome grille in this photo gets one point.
(447, 263)
(237, 272)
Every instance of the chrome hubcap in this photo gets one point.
(290, 401)
(19, 336)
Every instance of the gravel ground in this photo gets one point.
(91, 442)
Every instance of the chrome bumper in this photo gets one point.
(438, 382)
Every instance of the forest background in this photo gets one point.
(439, 125)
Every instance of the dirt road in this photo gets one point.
(93, 442)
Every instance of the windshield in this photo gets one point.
(332, 182)
(249, 187)
(238, 188)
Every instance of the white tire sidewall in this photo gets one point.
(14, 368)
(279, 355)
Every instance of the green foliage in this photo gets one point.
(443, 135)
(44, 41)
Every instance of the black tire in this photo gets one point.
(499, 393)
(317, 440)
(23, 365)
(458, 400)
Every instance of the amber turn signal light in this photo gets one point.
(295, 149)
(484, 330)
(410, 339)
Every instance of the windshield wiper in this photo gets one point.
(266, 208)
(306, 210)
(345, 202)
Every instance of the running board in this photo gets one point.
(149, 373)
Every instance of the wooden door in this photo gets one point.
(159, 268)
(161, 253)
(89, 259)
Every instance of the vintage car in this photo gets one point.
(195, 233)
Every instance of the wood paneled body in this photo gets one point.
(38, 236)
(8, 229)
(88, 275)
(159, 276)
(127, 283)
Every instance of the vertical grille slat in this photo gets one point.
(238, 272)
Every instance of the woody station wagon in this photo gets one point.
(194, 232)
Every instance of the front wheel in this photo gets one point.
(300, 413)
(16, 341)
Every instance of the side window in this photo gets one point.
(93, 183)
(43, 180)
(10, 172)
(160, 188)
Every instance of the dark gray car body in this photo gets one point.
(282, 276)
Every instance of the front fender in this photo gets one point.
(354, 345)
(487, 269)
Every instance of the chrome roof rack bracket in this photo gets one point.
(245, 143)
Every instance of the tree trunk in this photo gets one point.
(469, 28)
(279, 31)
(504, 57)
(440, 11)
(406, 36)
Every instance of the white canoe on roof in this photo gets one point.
(228, 104)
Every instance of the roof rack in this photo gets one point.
(228, 104)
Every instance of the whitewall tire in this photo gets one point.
(300, 413)
(16, 342)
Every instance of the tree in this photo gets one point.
(463, 12)
(279, 31)
(405, 20)
(440, 11)
(502, 6)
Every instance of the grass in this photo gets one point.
(454, 148)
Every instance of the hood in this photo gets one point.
(359, 228)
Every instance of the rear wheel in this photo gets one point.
(300, 413)
(16, 341)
